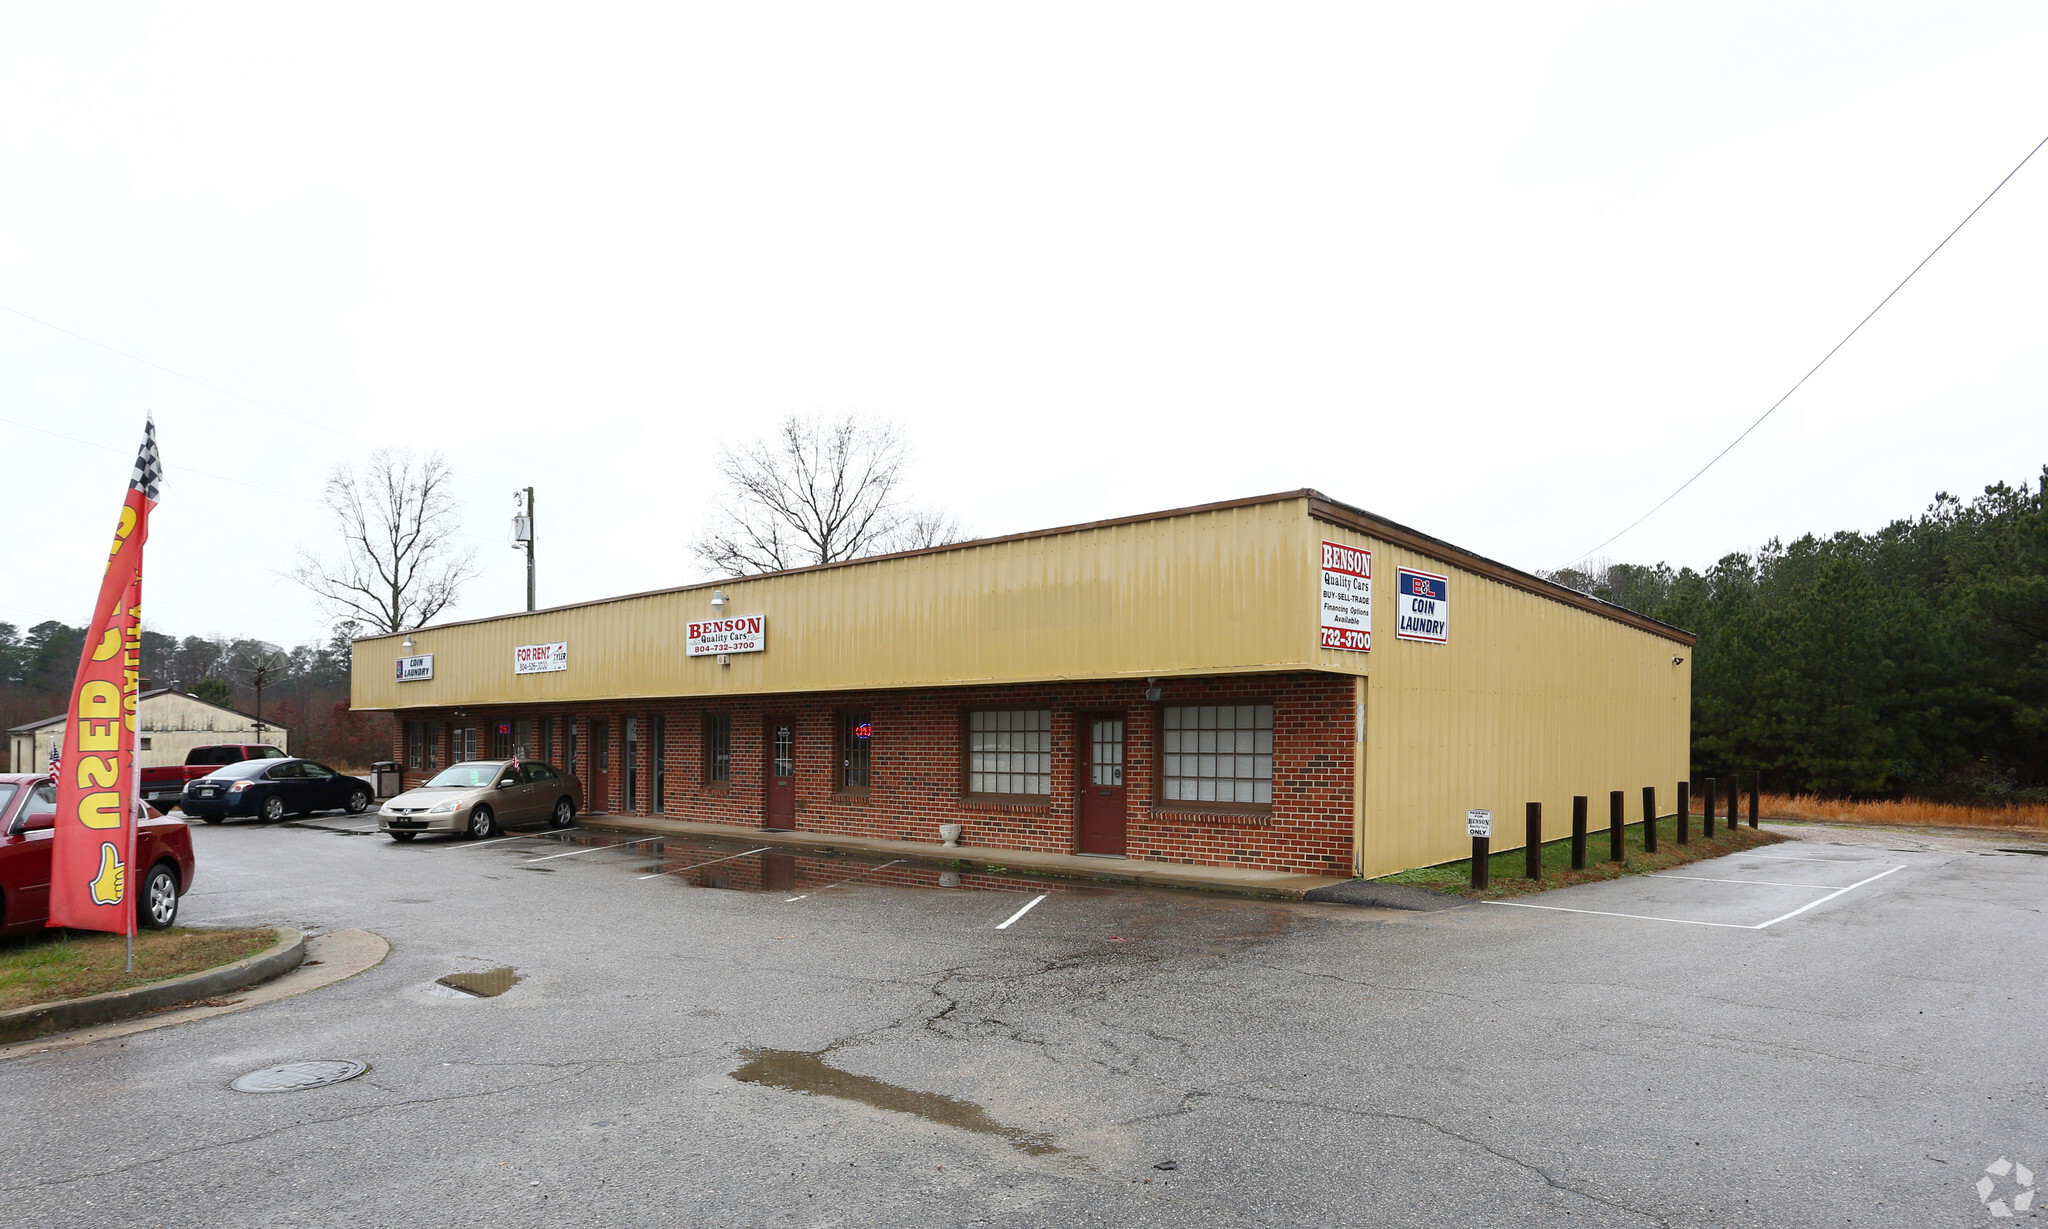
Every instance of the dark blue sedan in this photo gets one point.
(273, 789)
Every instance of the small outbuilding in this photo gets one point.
(1284, 683)
(168, 724)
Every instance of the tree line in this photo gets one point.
(1911, 660)
(305, 688)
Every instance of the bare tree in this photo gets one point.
(817, 491)
(399, 565)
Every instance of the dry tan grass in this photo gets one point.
(1906, 811)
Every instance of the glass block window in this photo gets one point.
(657, 797)
(1010, 752)
(1217, 753)
(632, 758)
(717, 748)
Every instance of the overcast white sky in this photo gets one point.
(1506, 273)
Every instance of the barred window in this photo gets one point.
(717, 748)
(1009, 752)
(1218, 753)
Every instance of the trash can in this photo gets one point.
(390, 780)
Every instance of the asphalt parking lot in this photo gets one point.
(1743, 1042)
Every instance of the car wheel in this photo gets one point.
(565, 814)
(358, 801)
(273, 809)
(157, 908)
(402, 837)
(482, 823)
(213, 819)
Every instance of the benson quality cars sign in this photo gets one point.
(739, 634)
(1422, 609)
(1347, 597)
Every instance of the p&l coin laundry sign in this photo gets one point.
(1422, 609)
(1347, 597)
(739, 634)
(416, 669)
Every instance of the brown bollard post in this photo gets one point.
(1578, 832)
(1649, 819)
(1614, 853)
(1685, 812)
(1482, 861)
(1532, 852)
(1707, 807)
(1756, 787)
(1734, 784)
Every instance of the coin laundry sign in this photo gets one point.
(1423, 606)
(416, 669)
(1347, 597)
(739, 634)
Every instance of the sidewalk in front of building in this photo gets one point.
(1234, 880)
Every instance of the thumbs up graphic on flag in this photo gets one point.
(112, 881)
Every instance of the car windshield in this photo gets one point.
(235, 772)
(466, 776)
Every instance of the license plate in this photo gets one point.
(204, 793)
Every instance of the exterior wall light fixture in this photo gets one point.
(718, 600)
(1153, 691)
(1678, 661)
(407, 646)
(725, 659)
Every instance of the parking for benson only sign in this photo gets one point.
(1347, 597)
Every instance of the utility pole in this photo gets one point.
(522, 534)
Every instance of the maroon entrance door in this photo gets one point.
(600, 768)
(1101, 788)
(778, 749)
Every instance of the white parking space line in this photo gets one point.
(1830, 896)
(517, 836)
(849, 879)
(1768, 883)
(1028, 907)
(1685, 921)
(593, 849)
(694, 865)
(1778, 857)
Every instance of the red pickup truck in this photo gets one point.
(162, 787)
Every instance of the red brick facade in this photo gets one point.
(918, 774)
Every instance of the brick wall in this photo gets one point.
(918, 781)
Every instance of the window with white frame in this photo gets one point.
(1010, 752)
(1217, 753)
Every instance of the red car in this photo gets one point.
(28, 817)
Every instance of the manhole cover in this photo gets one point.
(488, 984)
(291, 1077)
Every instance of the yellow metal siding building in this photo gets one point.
(1146, 622)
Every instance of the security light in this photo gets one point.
(718, 600)
(1678, 661)
(408, 641)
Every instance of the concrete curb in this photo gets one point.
(1223, 879)
(21, 1023)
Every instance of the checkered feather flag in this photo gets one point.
(149, 466)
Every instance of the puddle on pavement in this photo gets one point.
(799, 871)
(806, 1071)
(488, 984)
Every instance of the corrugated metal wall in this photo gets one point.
(1227, 591)
(1531, 701)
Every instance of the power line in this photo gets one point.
(1817, 366)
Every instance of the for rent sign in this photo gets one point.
(739, 634)
(540, 658)
(1422, 606)
(1347, 597)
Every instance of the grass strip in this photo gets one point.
(1505, 867)
(55, 965)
